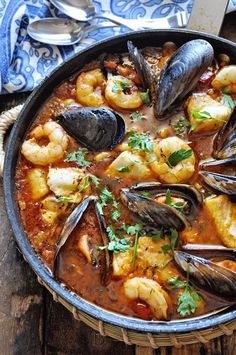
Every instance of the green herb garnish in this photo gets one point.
(80, 157)
(135, 116)
(116, 244)
(176, 157)
(123, 169)
(65, 199)
(228, 101)
(145, 97)
(135, 230)
(140, 141)
(120, 85)
(180, 126)
(179, 205)
(187, 302)
(105, 197)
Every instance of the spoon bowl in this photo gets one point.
(60, 31)
(56, 31)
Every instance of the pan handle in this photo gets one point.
(7, 118)
(207, 16)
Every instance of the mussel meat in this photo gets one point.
(95, 128)
(155, 211)
(208, 275)
(178, 77)
(69, 226)
(225, 141)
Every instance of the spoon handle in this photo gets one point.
(178, 20)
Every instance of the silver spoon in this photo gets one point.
(60, 31)
(83, 10)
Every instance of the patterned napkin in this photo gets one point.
(25, 62)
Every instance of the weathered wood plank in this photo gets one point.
(66, 336)
(21, 297)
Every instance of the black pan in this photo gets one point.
(27, 116)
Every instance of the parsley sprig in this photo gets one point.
(120, 85)
(107, 197)
(80, 157)
(140, 141)
(179, 155)
(180, 126)
(173, 237)
(137, 231)
(145, 97)
(179, 205)
(135, 116)
(187, 302)
(116, 244)
(202, 116)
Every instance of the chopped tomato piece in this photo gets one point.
(142, 310)
(206, 77)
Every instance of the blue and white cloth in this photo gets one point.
(25, 62)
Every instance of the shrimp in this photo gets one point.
(117, 98)
(149, 291)
(226, 78)
(45, 154)
(172, 174)
(89, 88)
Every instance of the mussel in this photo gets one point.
(178, 77)
(159, 213)
(208, 275)
(226, 182)
(225, 141)
(224, 152)
(95, 128)
(70, 224)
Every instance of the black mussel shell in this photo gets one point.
(70, 224)
(95, 128)
(181, 73)
(146, 74)
(187, 192)
(216, 252)
(225, 141)
(206, 274)
(226, 182)
(153, 212)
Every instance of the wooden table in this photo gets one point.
(31, 323)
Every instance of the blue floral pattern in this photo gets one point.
(25, 62)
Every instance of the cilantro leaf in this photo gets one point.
(105, 197)
(140, 141)
(180, 126)
(135, 116)
(123, 169)
(85, 184)
(65, 199)
(145, 97)
(179, 155)
(80, 157)
(201, 115)
(115, 215)
(174, 238)
(95, 180)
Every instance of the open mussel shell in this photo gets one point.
(95, 128)
(146, 74)
(208, 275)
(218, 252)
(226, 182)
(225, 141)
(187, 192)
(181, 73)
(70, 224)
(157, 213)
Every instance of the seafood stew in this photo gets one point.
(112, 181)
